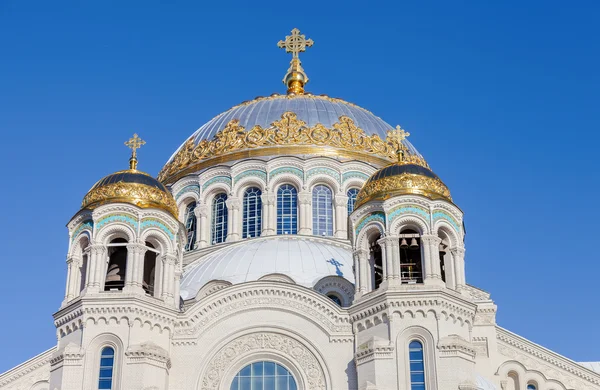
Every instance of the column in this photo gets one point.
(233, 219)
(134, 269)
(97, 265)
(431, 246)
(305, 220)
(384, 265)
(201, 212)
(71, 275)
(341, 216)
(363, 260)
(458, 257)
(395, 248)
(269, 221)
(168, 277)
(356, 270)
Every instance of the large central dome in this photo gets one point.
(268, 126)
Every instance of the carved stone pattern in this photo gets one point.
(293, 349)
(210, 316)
(289, 130)
(532, 358)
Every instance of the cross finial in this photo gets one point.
(295, 43)
(295, 77)
(398, 135)
(134, 144)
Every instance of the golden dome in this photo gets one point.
(403, 178)
(131, 186)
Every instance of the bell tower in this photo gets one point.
(124, 262)
(408, 243)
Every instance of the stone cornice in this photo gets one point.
(285, 297)
(438, 300)
(519, 343)
(26, 367)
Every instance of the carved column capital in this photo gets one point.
(233, 203)
(138, 249)
(304, 197)
(458, 251)
(341, 200)
(201, 210)
(268, 198)
(431, 239)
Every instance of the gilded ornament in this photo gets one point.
(405, 183)
(348, 139)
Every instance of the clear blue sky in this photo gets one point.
(501, 97)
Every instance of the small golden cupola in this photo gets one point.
(131, 186)
(410, 175)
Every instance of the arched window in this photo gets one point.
(107, 362)
(531, 387)
(417, 365)
(264, 376)
(335, 298)
(411, 266)
(117, 264)
(190, 226)
(352, 192)
(322, 211)
(219, 219)
(287, 210)
(149, 273)
(375, 261)
(252, 213)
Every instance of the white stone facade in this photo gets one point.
(200, 343)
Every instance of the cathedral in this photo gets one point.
(293, 242)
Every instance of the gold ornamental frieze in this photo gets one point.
(133, 193)
(406, 183)
(348, 139)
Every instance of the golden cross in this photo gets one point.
(134, 144)
(295, 43)
(398, 135)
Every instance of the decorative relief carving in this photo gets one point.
(218, 179)
(325, 171)
(288, 131)
(377, 216)
(304, 359)
(152, 222)
(551, 365)
(447, 217)
(193, 188)
(126, 219)
(398, 211)
(89, 225)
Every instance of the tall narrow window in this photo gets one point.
(219, 219)
(117, 264)
(352, 192)
(287, 210)
(190, 226)
(417, 365)
(107, 362)
(411, 267)
(149, 273)
(376, 262)
(322, 211)
(531, 387)
(252, 214)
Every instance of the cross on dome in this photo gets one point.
(398, 135)
(295, 43)
(295, 78)
(134, 144)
